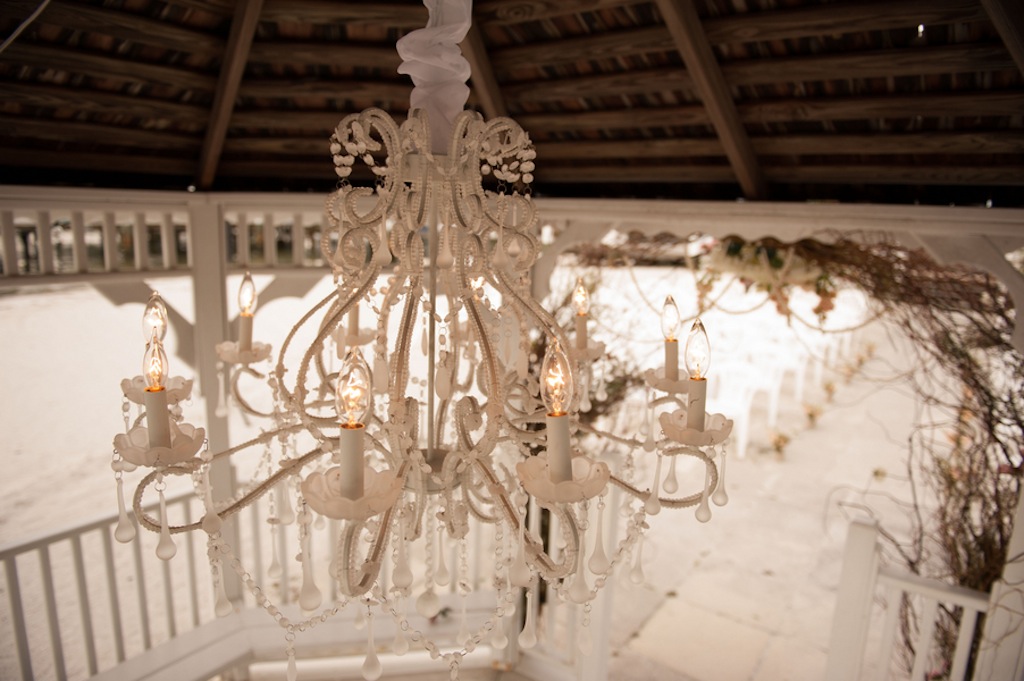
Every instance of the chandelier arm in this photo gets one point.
(400, 368)
(280, 369)
(237, 394)
(188, 467)
(316, 347)
(548, 568)
(630, 442)
(546, 318)
(373, 562)
(669, 502)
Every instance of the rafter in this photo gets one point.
(484, 83)
(243, 28)
(681, 18)
(1008, 18)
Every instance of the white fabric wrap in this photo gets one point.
(432, 57)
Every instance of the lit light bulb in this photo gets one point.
(154, 318)
(154, 365)
(670, 319)
(557, 384)
(247, 297)
(581, 298)
(353, 391)
(698, 351)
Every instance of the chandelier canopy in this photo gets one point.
(437, 419)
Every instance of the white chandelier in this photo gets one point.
(396, 459)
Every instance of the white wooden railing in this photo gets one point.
(860, 632)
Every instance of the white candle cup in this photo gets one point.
(695, 403)
(158, 421)
(581, 332)
(244, 332)
(350, 451)
(672, 360)
(559, 459)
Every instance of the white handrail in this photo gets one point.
(861, 577)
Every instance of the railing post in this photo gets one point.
(853, 602)
(1001, 653)
(9, 235)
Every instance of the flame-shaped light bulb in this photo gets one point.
(247, 296)
(353, 391)
(556, 380)
(698, 351)
(154, 318)
(581, 298)
(154, 365)
(670, 319)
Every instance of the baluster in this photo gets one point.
(298, 241)
(44, 232)
(924, 641)
(242, 240)
(140, 584)
(18, 618)
(964, 638)
(8, 234)
(56, 644)
(140, 242)
(110, 257)
(168, 242)
(269, 240)
(84, 607)
(190, 549)
(115, 606)
(79, 251)
(893, 597)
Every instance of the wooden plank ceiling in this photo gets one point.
(849, 100)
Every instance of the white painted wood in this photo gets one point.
(18, 617)
(1001, 654)
(168, 242)
(968, 623)
(894, 597)
(84, 608)
(79, 251)
(9, 239)
(140, 241)
(242, 240)
(44, 232)
(52, 620)
(140, 593)
(853, 602)
(110, 254)
(298, 241)
(923, 644)
(115, 607)
(269, 240)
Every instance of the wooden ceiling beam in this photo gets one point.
(339, 13)
(669, 174)
(825, 20)
(683, 23)
(837, 18)
(871, 64)
(243, 28)
(331, 90)
(484, 83)
(1009, 175)
(80, 100)
(381, 57)
(1001, 142)
(503, 12)
(606, 45)
(91, 162)
(309, 123)
(1008, 18)
(965, 103)
(65, 131)
(121, 24)
(981, 175)
(107, 68)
